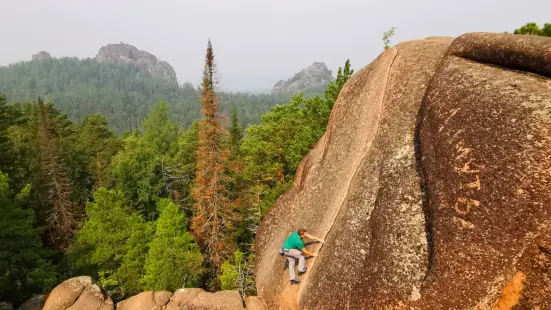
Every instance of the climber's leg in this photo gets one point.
(291, 256)
(291, 266)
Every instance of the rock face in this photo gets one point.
(42, 55)
(429, 186)
(315, 77)
(361, 173)
(76, 294)
(486, 149)
(128, 54)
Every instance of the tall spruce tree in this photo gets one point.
(213, 219)
(8, 116)
(54, 183)
(236, 131)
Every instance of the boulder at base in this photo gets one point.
(146, 301)
(34, 303)
(76, 294)
(198, 299)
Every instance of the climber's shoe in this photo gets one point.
(302, 271)
(295, 281)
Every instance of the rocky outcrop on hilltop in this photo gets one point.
(430, 188)
(315, 77)
(128, 54)
(42, 55)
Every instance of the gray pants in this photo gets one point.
(291, 256)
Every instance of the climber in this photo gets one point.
(293, 248)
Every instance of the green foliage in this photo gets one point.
(137, 188)
(25, 268)
(334, 88)
(9, 116)
(386, 37)
(534, 29)
(160, 133)
(174, 260)
(238, 274)
(97, 145)
(273, 149)
(113, 243)
(138, 169)
(180, 170)
(229, 276)
(135, 171)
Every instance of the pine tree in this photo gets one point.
(334, 88)
(213, 218)
(236, 132)
(179, 171)
(174, 260)
(60, 211)
(8, 116)
(97, 144)
(24, 265)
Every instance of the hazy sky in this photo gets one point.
(256, 42)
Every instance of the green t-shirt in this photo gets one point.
(293, 242)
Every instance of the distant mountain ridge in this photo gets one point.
(122, 83)
(315, 77)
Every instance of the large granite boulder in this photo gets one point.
(146, 301)
(486, 160)
(76, 294)
(429, 186)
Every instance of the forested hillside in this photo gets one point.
(121, 92)
(172, 203)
